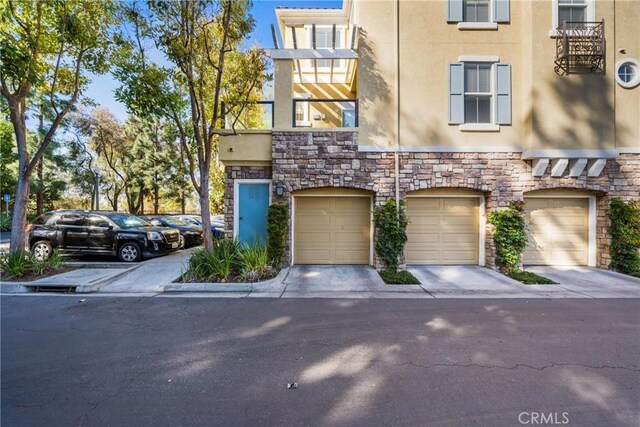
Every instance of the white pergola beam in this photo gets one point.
(558, 167)
(312, 53)
(539, 166)
(577, 167)
(596, 167)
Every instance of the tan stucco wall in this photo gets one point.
(247, 148)
(627, 101)
(283, 93)
(548, 111)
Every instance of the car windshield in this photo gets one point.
(175, 222)
(128, 221)
(189, 220)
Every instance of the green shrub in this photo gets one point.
(529, 278)
(510, 236)
(625, 236)
(255, 265)
(5, 221)
(14, 264)
(19, 264)
(277, 226)
(391, 277)
(218, 265)
(391, 222)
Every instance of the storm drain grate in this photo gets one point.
(56, 289)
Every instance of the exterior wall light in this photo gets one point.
(279, 189)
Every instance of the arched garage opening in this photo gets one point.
(447, 226)
(332, 226)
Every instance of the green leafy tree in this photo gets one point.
(47, 46)
(199, 39)
(8, 161)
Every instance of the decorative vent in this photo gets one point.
(580, 48)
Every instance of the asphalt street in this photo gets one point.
(137, 361)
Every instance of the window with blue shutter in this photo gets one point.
(479, 93)
(455, 10)
(478, 11)
(503, 94)
(456, 93)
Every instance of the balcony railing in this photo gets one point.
(325, 113)
(255, 115)
(580, 48)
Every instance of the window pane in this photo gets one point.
(471, 78)
(484, 78)
(477, 109)
(571, 14)
(483, 13)
(626, 73)
(484, 110)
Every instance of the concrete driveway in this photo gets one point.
(464, 280)
(326, 280)
(589, 281)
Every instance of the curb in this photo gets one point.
(227, 287)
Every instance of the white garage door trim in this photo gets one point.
(591, 261)
(293, 220)
(482, 220)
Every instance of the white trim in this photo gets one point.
(236, 199)
(482, 220)
(629, 150)
(479, 127)
(592, 231)
(312, 54)
(293, 218)
(570, 154)
(590, 15)
(591, 239)
(636, 68)
(441, 149)
(477, 25)
(476, 58)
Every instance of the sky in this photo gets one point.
(102, 87)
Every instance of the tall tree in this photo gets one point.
(49, 46)
(200, 39)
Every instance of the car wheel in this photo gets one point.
(181, 245)
(130, 252)
(41, 250)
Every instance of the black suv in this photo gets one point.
(102, 233)
(190, 234)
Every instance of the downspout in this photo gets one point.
(397, 148)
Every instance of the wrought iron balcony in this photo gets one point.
(580, 48)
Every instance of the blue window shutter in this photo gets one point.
(500, 10)
(456, 93)
(454, 10)
(503, 94)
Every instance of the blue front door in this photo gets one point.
(253, 202)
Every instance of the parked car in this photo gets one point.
(217, 222)
(190, 234)
(100, 233)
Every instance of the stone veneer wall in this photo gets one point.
(231, 173)
(303, 160)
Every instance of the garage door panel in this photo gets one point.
(332, 230)
(557, 229)
(443, 230)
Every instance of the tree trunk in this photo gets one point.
(40, 167)
(20, 206)
(40, 193)
(205, 211)
(156, 194)
(182, 202)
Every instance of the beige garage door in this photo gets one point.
(558, 231)
(332, 230)
(443, 230)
